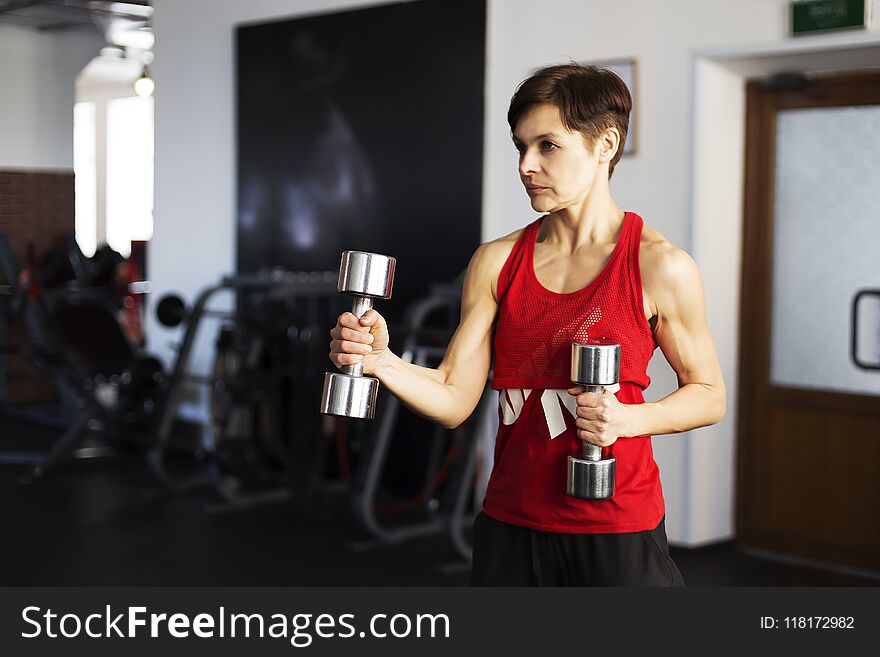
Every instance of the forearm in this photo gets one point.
(692, 406)
(425, 391)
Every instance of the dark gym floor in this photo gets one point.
(105, 522)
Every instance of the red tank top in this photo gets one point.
(536, 432)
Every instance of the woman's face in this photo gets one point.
(555, 165)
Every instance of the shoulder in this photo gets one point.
(667, 270)
(661, 261)
(489, 258)
(496, 250)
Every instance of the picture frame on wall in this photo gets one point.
(627, 70)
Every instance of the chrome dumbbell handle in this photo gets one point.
(359, 306)
(592, 452)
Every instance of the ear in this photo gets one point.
(609, 142)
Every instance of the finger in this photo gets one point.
(341, 360)
(575, 390)
(349, 320)
(369, 318)
(587, 425)
(354, 335)
(598, 412)
(587, 436)
(588, 399)
(586, 412)
(349, 333)
(348, 347)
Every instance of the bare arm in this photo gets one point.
(446, 395)
(673, 283)
(683, 336)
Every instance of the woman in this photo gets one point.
(584, 269)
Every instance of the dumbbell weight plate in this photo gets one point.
(590, 480)
(171, 310)
(349, 396)
(366, 274)
(595, 363)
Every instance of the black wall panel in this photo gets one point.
(363, 130)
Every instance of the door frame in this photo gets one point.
(755, 391)
(699, 468)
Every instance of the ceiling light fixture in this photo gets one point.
(144, 85)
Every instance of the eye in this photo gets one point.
(548, 145)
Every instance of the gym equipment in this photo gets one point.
(171, 310)
(366, 276)
(468, 498)
(24, 301)
(447, 499)
(265, 367)
(106, 385)
(119, 389)
(594, 365)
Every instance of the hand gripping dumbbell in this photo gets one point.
(594, 365)
(366, 276)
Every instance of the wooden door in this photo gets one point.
(808, 461)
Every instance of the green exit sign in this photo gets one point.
(811, 16)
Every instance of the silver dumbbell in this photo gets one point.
(594, 365)
(367, 276)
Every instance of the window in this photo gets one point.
(85, 175)
(129, 172)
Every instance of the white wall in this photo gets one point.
(37, 75)
(195, 169)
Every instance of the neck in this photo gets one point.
(594, 219)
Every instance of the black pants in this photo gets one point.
(507, 555)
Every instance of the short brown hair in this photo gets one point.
(590, 99)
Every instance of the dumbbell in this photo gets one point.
(594, 365)
(366, 276)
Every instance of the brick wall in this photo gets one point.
(35, 207)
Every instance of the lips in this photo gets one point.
(535, 189)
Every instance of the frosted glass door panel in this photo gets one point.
(826, 243)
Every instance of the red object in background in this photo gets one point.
(131, 316)
(26, 279)
(139, 256)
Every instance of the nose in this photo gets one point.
(528, 163)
